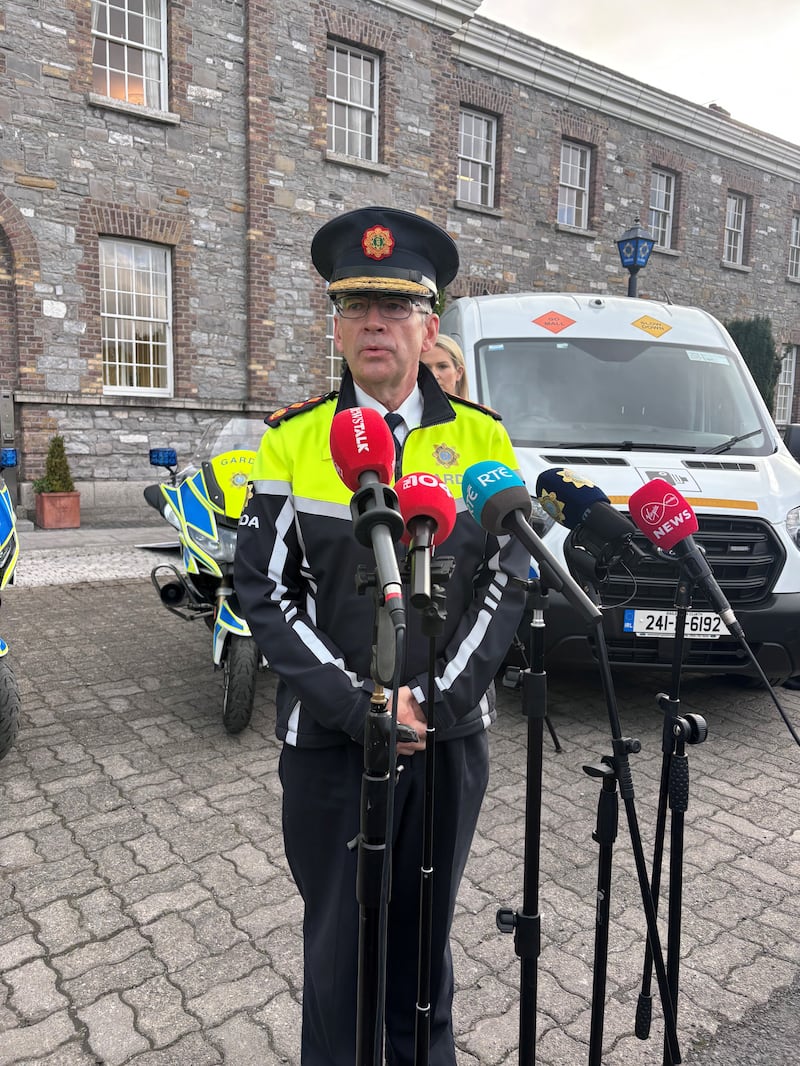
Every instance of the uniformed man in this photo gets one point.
(295, 576)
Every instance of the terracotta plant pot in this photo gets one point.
(58, 510)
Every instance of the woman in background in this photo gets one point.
(446, 361)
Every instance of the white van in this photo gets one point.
(624, 390)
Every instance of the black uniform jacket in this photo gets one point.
(296, 565)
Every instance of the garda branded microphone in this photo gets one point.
(575, 501)
(668, 521)
(363, 454)
(429, 512)
(498, 500)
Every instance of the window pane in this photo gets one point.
(135, 316)
(352, 102)
(476, 158)
(128, 57)
(573, 190)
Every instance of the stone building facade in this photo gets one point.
(234, 167)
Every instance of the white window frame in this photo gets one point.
(335, 362)
(135, 307)
(662, 206)
(477, 152)
(129, 52)
(735, 224)
(784, 388)
(794, 248)
(353, 104)
(575, 171)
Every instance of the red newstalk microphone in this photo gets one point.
(361, 443)
(429, 512)
(667, 519)
(362, 449)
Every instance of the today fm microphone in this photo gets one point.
(500, 503)
(668, 521)
(429, 513)
(362, 449)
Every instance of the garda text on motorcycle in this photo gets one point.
(203, 502)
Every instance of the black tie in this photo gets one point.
(393, 420)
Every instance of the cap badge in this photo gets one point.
(377, 242)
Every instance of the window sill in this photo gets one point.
(793, 280)
(481, 209)
(735, 266)
(576, 231)
(674, 252)
(358, 164)
(152, 113)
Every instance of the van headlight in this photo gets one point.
(540, 521)
(793, 525)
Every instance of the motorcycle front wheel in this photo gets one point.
(9, 707)
(240, 668)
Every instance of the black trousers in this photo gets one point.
(321, 810)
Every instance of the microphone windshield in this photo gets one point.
(662, 514)
(492, 491)
(360, 442)
(425, 496)
(566, 496)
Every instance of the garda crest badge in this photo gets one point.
(445, 455)
(377, 242)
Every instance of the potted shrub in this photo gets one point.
(58, 505)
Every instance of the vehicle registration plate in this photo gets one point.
(706, 625)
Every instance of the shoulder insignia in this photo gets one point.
(283, 414)
(475, 406)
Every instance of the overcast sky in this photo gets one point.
(740, 54)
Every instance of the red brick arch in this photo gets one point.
(20, 270)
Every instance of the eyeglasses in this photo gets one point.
(391, 307)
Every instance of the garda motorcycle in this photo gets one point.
(203, 502)
(9, 552)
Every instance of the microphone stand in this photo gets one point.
(431, 603)
(678, 730)
(614, 770)
(525, 923)
(373, 871)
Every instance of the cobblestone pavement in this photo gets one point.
(147, 917)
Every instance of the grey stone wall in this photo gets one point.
(235, 177)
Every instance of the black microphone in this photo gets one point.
(363, 454)
(668, 521)
(499, 502)
(579, 504)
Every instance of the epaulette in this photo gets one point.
(475, 406)
(283, 414)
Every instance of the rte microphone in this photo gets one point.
(668, 521)
(363, 454)
(499, 502)
(429, 512)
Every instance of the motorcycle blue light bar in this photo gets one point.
(163, 457)
(8, 458)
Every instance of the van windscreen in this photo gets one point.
(620, 394)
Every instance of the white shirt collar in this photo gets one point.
(410, 409)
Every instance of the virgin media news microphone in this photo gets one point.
(498, 500)
(668, 521)
(363, 454)
(429, 512)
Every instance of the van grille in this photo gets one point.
(744, 554)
